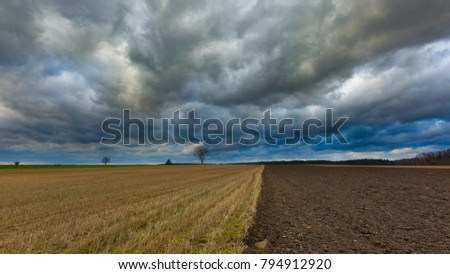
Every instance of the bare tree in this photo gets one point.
(200, 152)
(106, 160)
(16, 163)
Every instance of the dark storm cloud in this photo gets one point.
(67, 65)
(273, 51)
(17, 32)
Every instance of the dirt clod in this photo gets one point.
(262, 244)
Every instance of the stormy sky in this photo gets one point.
(65, 66)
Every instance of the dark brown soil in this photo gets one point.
(327, 209)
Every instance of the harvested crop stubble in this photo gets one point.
(140, 209)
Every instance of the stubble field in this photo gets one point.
(143, 209)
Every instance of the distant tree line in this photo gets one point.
(427, 158)
(357, 162)
(377, 162)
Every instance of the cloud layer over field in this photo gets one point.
(67, 65)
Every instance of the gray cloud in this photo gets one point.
(272, 51)
(65, 65)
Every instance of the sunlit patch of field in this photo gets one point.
(139, 209)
